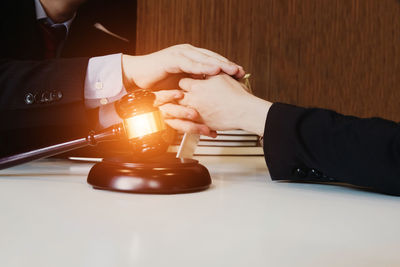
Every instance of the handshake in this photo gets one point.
(197, 90)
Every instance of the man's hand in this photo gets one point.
(148, 70)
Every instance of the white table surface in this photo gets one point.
(50, 216)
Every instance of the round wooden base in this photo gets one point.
(162, 175)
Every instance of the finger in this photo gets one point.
(165, 96)
(189, 127)
(184, 101)
(240, 72)
(186, 84)
(179, 112)
(212, 54)
(187, 65)
(213, 134)
(197, 56)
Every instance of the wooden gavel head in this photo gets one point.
(143, 123)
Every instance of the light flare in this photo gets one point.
(144, 124)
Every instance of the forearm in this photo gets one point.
(322, 145)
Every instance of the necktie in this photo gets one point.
(53, 36)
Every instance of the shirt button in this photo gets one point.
(53, 95)
(45, 97)
(29, 98)
(103, 101)
(98, 85)
(59, 95)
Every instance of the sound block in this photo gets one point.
(161, 175)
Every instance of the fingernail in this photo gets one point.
(204, 131)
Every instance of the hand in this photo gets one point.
(148, 70)
(181, 118)
(224, 104)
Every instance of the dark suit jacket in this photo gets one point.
(323, 146)
(24, 71)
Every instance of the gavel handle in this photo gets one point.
(92, 139)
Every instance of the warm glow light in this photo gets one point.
(144, 124)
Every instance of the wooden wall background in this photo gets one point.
(337, 54)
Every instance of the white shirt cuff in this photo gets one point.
(103, 83)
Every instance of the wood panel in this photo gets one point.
(338, 54)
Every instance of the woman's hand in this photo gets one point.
(148, 70)
(181, 118)
(224, 104)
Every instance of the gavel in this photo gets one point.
(147, 168)
(142, 126)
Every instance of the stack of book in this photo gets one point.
(229, 143)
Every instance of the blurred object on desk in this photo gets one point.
(227, 143)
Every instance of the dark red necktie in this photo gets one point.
(53, 36)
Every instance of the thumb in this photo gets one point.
(187, 84)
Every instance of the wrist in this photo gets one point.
(256, 111)
(125, 62)
(131, 71)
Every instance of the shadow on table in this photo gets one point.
(333, 187)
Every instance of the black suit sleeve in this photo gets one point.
(321, 145)
(41, 102)
(56, 86)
